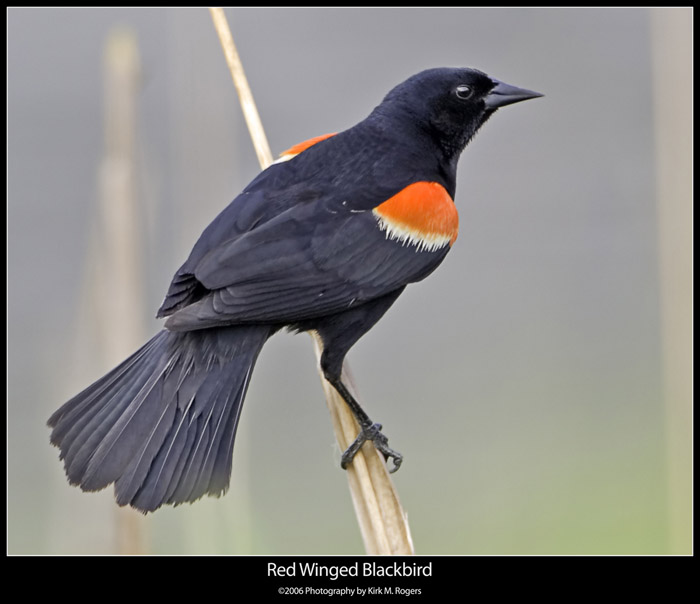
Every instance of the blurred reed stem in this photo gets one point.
(672, 61)
(119, 283)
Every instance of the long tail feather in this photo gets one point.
(161, 425)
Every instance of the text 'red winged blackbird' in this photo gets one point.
(325, 239)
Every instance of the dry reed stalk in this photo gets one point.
(120, 246)
(250, 111)
(672, 64)
(382, 521)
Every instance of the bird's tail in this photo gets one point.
(161, 425)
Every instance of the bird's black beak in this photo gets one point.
(504, 94)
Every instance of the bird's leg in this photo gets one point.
(368, 431)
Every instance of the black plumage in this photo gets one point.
(325, 241)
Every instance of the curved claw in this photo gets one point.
(381, 442)
(397, 458)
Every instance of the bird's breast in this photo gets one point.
(422, 215)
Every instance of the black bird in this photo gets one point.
(325, 239)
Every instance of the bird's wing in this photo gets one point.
(298, 243)
(310, 261)
(272, 193)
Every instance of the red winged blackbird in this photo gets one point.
(325, 239)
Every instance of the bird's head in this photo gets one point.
(450, 104)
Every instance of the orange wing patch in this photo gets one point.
(299, 147)
(423, 214)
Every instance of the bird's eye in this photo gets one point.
(463, 91)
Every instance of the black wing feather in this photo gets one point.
(294, 268)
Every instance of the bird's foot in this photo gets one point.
(372, 432)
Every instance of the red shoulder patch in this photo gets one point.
(303, 146)
(422, 214)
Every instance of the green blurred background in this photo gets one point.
(538, 384)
